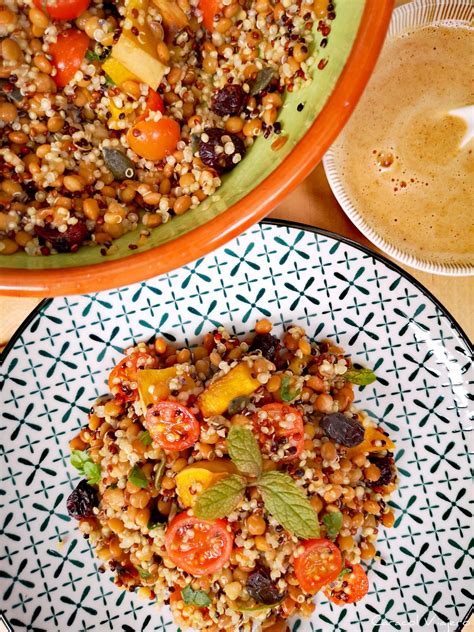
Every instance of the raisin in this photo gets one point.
(384, 463)
(218, 137)
(230, 100)
(267, 344)
(261, 587)
(342, 429)
(82, 501)
(69, 241)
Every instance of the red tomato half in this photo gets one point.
(351, 587)
(68, 52)
(209, 9)
(199, 547)
(319, 564)
(154, 140)
(154, 102)
(63, 9)
(285, 425)
(172, 426)
(123, 378)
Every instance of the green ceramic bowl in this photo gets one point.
(250, 191)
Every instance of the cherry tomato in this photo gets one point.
(276, 417)
(63, 9)
(154, 102)
(68, 52)
(153, 140)
(351, 587)
(209, 8)
(319, 564)
(123, 378)
(172, 426)
(199, 547)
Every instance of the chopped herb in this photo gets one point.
(160, 470)
(361, 377)
(344, 571)
(81, 460)
(145, 438)
(197, 598)
(138, 478)
(143, 573)
(333, 522)
(285, 393)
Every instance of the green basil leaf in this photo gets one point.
(285, 393)
(138, 478)
(333, 522)
(221, 499)
(160, 470)
(143, 573)
(145, 437)
(197, 598)
(92, 472)
(78, 458)
(361, 377)
(244, 451)
(289, 505)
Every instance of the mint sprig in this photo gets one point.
(137, 477)
(333, 522)
(244, 451)
(285, 393)
(197, 598)
(221, 499)
(83, 463)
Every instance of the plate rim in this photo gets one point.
(285, 223)
(317, 231)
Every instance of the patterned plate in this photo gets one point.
(58, 363)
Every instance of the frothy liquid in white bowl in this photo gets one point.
(399, 157)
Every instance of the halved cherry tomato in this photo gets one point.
(351, 587)
(199, 547)
(154, 102)
(319, 564)
(68, 52)
(63, 9)
(172, 426)
(123, 378)
(285, 425)
(153, 140)
(209, 9)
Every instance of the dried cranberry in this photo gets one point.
(218, 137)
(68, 241)
(230, 100)
(342, 429)
(385, 465)
(267, 344)
(261, 587)
(82, 501)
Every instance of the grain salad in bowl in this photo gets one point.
(119, 115)
(235, 480)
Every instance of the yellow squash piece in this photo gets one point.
(238, 382)
(136, 47)
(117, 71)
(196, 478)
(368, 444)
(148, 379)
(174, 18)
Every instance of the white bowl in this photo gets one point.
(409, 16)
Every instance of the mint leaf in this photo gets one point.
(219, 500)
(361, 377)
(138, 478)
(333, 522)
(244, 451)
(285, 393)
(92, 472)
(197, 598)
(83, 463)
(160, 470)
(344, 571)
(145, 437)
(289, 505)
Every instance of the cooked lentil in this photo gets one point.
(144, 488)
(230, 75)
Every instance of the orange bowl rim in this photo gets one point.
(247, 211)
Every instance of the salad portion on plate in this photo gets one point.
(236, 479)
